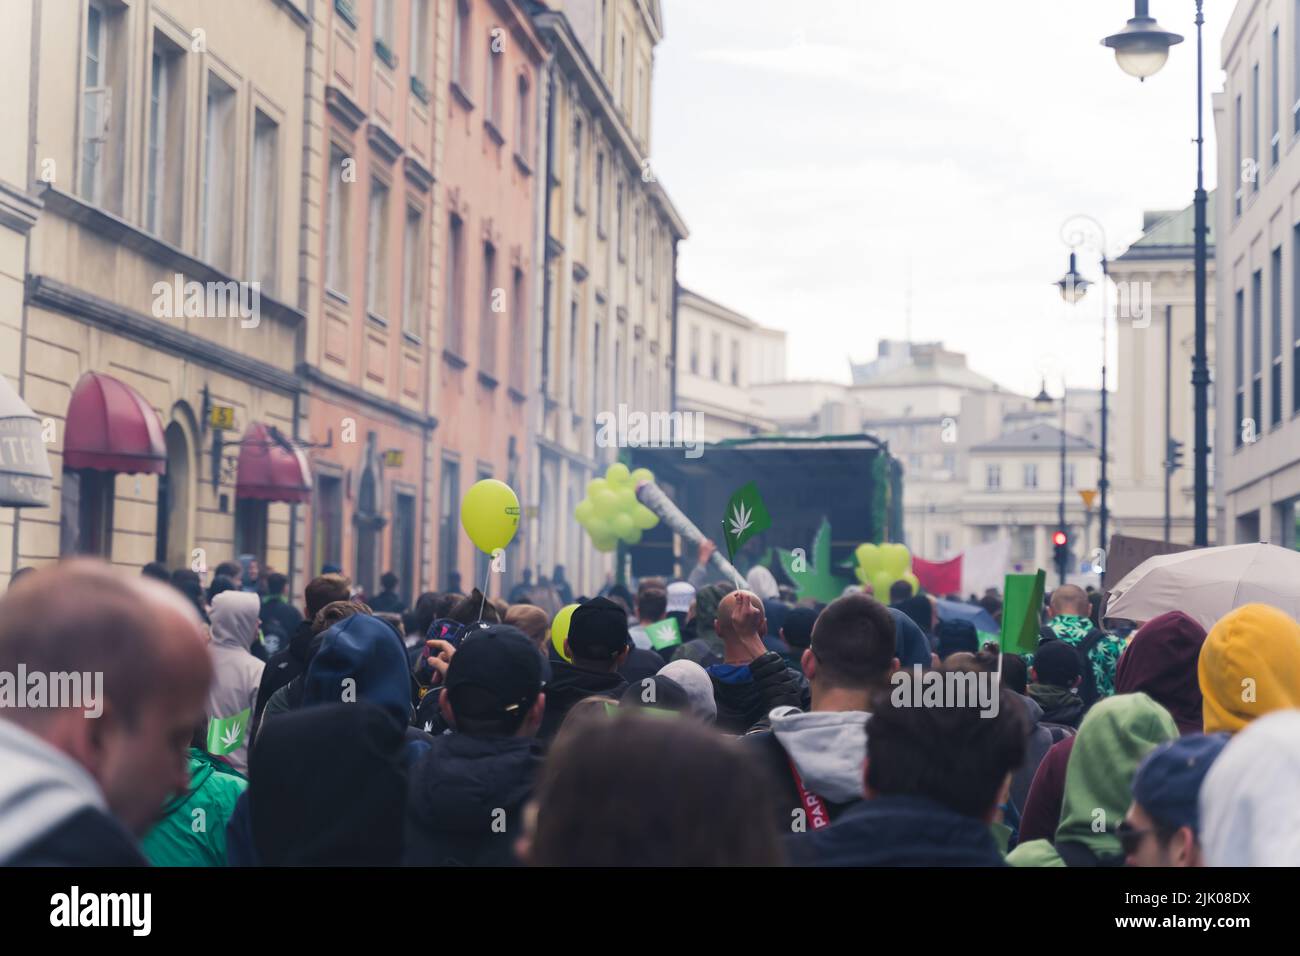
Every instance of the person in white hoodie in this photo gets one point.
(233, 696)
(88, 763)
(815, 758)
(1249, 812)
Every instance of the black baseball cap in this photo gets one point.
(1057, 662)
(495, 674)
(598, 630)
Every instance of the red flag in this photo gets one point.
(938, 577)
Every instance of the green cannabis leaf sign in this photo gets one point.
(815, 578)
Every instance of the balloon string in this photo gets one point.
(487, 576)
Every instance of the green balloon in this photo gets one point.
(604, 502)
(643, 517)
(584, 511)
(869, 559)
(622, 525)
(617, 474)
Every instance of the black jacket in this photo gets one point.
(87, 838)
(388, 602)
(640, 664)
(741, 704)
(897, 831)
(287, 664)
(465, 801)
(279, 618)
(570, 684)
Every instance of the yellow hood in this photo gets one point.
(1249, 666)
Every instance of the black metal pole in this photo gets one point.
(1200, 364)
(1169, 458)
(1061, 560)
(1103, 484)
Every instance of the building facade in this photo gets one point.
(1257, 378)
(165, 294)
(1153, 397)
(723, 355)
(610, 236)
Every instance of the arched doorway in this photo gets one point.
(173, 538)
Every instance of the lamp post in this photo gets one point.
(1141, 49)
(1044, 401)
(1073, 286)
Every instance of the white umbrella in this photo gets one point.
(1207, 583)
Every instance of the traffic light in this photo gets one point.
(1173, 455)
(1061, 548)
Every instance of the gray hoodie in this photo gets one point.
(236, 672)
(40, 788)
(828, 749)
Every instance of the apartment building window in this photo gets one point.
(735, 362)
(651, 260)
(455, 278)
(263, 201)
(492, 85)
(448, 519)
(522, 117)
(715, 357)
(419, 54)
(216, 226)
(573, 355)
(164, 157)
(695, 350)
(103, 105)
(1255, 143)
(518, 316)
(487, 341)
(618, 370)
(1275, 339)
(600, 193)
(377, 252)
(404, 525)
(1031, 476)
(250, 527)
(1239, 366)
(992, 477)
(412, 274)
(1024, 540)
(636, 103)
(1274, 108)
(1257, 347)
(942, 544)
(636, 240)
(1237, 167)
(328, 514)
(384, 22)
(618, 219)
(86, 518)
(622, 71)
(460, 46)
(1295, 64)
(336, 225)
(576, 179)
(636, 381)
(596, 390)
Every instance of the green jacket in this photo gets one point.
(1112, 740)
(192, 831)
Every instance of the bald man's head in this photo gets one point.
(144, 645)
(740, 614)
(1070, 599)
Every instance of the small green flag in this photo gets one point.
(226, 734)
(1022, 597)
(663, 633)
(746, 517)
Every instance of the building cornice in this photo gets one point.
(316, 377)
(19, 210)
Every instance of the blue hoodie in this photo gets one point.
(369, 652)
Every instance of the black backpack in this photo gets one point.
(1088, 686)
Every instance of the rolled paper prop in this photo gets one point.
(653, 497)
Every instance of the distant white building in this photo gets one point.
(721, 356)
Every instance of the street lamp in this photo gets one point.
(1043, 402)
(1141, 49)
(1073, 285)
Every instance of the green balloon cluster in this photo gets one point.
(611, 511)
(880, 565)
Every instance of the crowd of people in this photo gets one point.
(239, 727)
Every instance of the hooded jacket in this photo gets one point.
(214, 790)
(1249, 667)
(286, 665)
(1248, 808)
(361, 658)
(465, 800)
(826, 748)
(52, 812)
(897, 831)
(1059, 705)
(237, 674)
(1161, 660)
(1117, 733)
(570, 684)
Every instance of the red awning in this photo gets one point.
(269, 470)
(110, 427)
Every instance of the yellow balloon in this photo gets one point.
(489, 513)
(560, 629)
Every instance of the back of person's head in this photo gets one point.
(473, 608)
(651, 584)
(957, 756)
(899, 591)
(1253, 648)
(657, 693)
(229, 569)
(325, 589)
(1057, 663)
(1015, 675)
(422, 614)
(388, 581)
(361, 658)
(652, 604)
(956, 636)
(853, 644)
(797, 627)
(276, 583)
(156, 570)
(532, 621)
(1160, 659)
(1070, 599)
(443, 604)
(220, 584)
(393, 620)
(494, 682)
(1166, 792)
(598, 634)
(626, 791)
(334, 612)
(707, 600)
(695, 680)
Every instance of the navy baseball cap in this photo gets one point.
(1168, 781)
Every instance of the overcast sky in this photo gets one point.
(819, 158)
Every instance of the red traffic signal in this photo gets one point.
(1059, 538)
